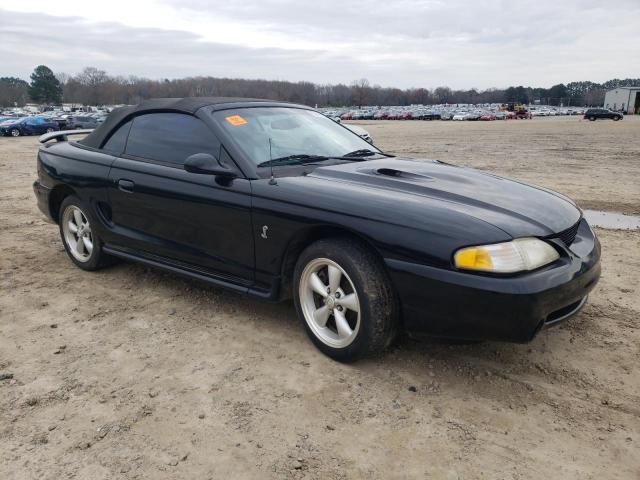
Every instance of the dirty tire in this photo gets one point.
(97, 258)
(378, 305)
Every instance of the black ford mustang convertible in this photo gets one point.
(277, 201)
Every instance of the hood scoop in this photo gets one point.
(381, 173)
(400, 174)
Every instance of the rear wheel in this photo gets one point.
(78, 236)
(593, 119)
(50, 130)
(345, 300)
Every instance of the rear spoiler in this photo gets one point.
(61, 136)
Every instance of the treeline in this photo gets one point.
(93, 86)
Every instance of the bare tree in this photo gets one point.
(443, 95)
(63, 78)
(360, 90)
(93, 79)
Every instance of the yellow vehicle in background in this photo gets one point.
(515, 110)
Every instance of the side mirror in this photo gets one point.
(206, 164)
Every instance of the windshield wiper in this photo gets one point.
(364, 152)
(305, 159)
(300, 159)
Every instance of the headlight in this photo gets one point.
(516, 256)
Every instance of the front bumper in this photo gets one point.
(460, 305)
(42, 196)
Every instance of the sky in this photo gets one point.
(392, 43)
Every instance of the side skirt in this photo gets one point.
(237, 286)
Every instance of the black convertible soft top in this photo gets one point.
(182, 105)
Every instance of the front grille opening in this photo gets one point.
(569, 235)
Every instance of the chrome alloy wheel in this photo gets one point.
(329, 303)
(15, 132)
(77, 233)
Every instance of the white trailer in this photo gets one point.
(623, 99)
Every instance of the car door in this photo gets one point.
(157, 208)
(41, 126)
(32, 126)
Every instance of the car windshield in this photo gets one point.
(271, 133)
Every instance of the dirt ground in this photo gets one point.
(133, 373)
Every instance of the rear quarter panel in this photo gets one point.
(85, 171)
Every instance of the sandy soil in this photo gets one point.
(133, 373)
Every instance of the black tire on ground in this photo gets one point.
(49, 130)
(15, 132)
(616, 118)
(97, 259)
(593, 119)
(379, 311)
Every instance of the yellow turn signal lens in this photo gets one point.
(473, 259)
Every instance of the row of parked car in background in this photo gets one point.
(453, 112)
(18, 122)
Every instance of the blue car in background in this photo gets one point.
(28, 126)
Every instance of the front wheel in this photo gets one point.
(345, 300)
(615, 119)
(50, 130)
(15, 132)
(593, 119)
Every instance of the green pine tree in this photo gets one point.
(45, 87)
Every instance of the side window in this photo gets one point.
(170, 138)
(118, 139)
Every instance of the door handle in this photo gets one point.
(125, 185)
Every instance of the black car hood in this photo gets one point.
(516, 208)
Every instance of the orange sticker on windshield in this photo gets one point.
(236, 120)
